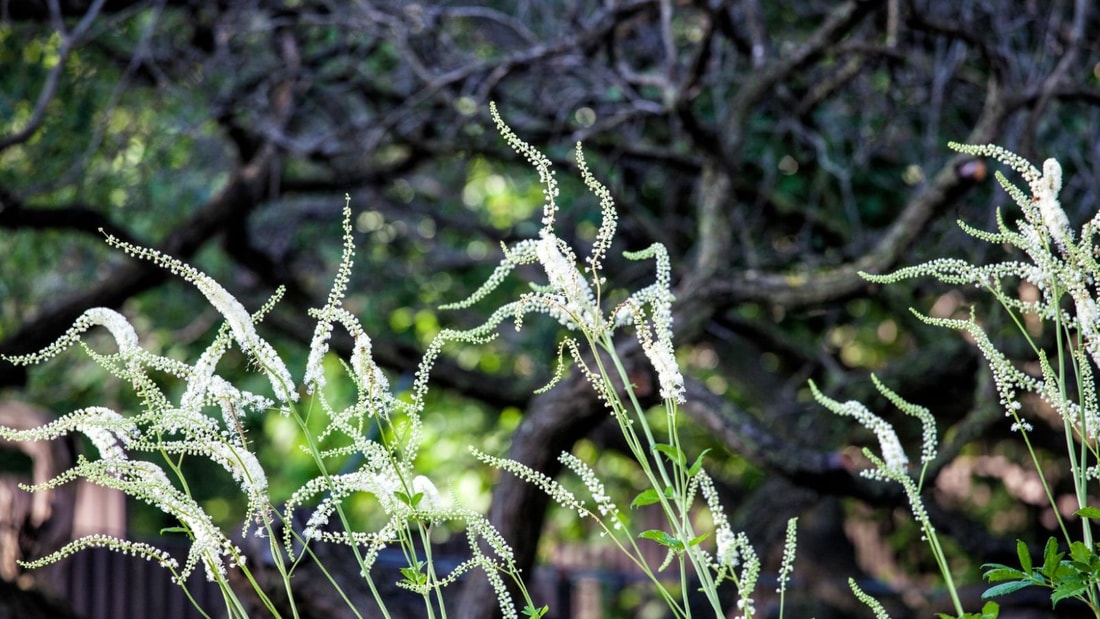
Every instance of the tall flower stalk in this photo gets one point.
(1061, 266)
(370, 445)
(573, 295)
(142, 455)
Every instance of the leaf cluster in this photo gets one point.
(1067, 578)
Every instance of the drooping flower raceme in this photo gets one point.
(1059, 263)
(572, 293)
(238, 318)
(315, 375)
(655, 334)
(116, 324)
(571, 300)
(895, 462)
(176, 429)
(109, 432)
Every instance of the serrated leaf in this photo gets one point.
(1080, 553)
(1068, 592)
(1062, 571)
(1006, 588)
(999, 573)
(672, 452)
(414, 575)
(663, 539)
(1024, 555)
(990, 610)
(698, 464)
(646, 497)
(1051, 557)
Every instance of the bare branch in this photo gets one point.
(69, 40)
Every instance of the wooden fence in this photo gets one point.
(100, 584)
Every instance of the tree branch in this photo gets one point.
(14, 215)
(69, 40)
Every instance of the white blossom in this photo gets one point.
(893, 455)
(1054, 218)
(430, 501)
(574, 305)
(604, 504)
(239, 320)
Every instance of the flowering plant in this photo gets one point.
(1062, 268)
(140, 454)
(573, 297)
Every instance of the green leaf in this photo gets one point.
(698, 540)
(673, 453)
(1006, 588)
(997, 572)
(663, 539)
(411, 501)
(697, 465)
(989, 611)
(1080, 553)
(1051, 558)
(651, 496)
(535, 613)
(647, 497)
(1089, 512)
(414, 575)
(1068, 591)
(1024, 555)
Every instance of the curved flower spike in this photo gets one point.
(104, 427)
(240, 321)
(123, 332)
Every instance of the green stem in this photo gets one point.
(314, 450)
(677, 514)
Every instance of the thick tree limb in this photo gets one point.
(15, 215)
